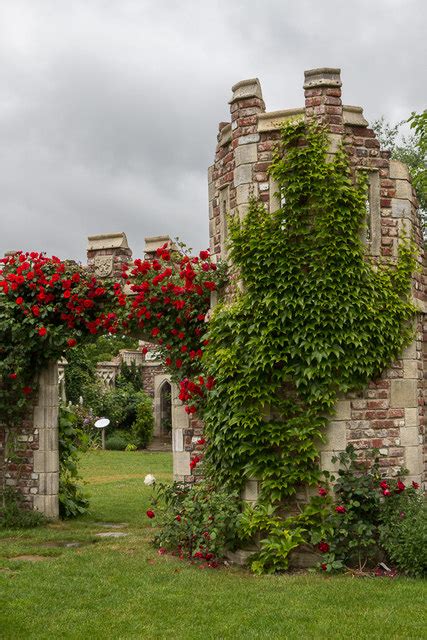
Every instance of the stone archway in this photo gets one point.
(165, 402)
(163, 407)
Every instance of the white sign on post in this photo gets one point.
(102, 423)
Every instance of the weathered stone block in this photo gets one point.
(177, 440)
(45, 461)
(246, 154)
(403, 189)
(403, 393)
(401, 208)
(242, 174)
(411, 417)
(410, 352)
(326, 462)
(244, 193)
(251, 137)
(336, 434)
(409, 436)
(410, 368)
(48, 483)
(343, 410)
(250, 491)
(274, 195)
(413, 460)
(47, 505)
(398, 170)
(181, 463)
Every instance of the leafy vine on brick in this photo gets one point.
(315, 319)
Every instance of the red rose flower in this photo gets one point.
(323, 547)
(162, 551)
(415, 485)
(42, 331)
(150, 514)
(386, 492)
(340, 509)
(201, 441)
(383, 485)
(322, 491)
(19, 300)
(12, 376)
(204, 255)
(400, 486)
(155, 332)
(178, 518)
(323, 566)
(26, 390)
(71, 342)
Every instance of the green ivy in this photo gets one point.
(315, 319)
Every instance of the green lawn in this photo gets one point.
(121, 588)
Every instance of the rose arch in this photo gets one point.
(48, 306)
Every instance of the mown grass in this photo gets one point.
(121, 588)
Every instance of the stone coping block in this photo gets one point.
(107, 241)
(250, 88)
(322, 77)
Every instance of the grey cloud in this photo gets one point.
(109, 110)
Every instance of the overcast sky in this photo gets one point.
(109, 109)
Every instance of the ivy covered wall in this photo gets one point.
(388, 413)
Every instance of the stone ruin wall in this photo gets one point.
(389, 415)
(33, 466)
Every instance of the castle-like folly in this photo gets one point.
(389, 414)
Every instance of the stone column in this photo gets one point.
(46, 458)
(106, 253)
(322, 91)
(245, 106)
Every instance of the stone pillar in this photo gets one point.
(106, 254)
(155, 242)
(180, 428)
(245, 106)
(322, 91)
(46, 457)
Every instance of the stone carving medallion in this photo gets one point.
(103, 266)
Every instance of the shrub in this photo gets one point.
(350, 534)
(116, 442)
(403, 532)
(196, 521)
(72, 501)
(13, 516)
(143, 426)
(370, 517)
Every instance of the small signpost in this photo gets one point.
(102, 423)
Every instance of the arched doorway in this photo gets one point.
(166, 411)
